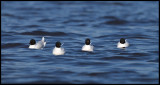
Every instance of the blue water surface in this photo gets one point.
(71, 22)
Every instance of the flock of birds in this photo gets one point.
(58, 50)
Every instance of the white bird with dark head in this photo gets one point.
(87, 46)
(122, 43)
(40, 45)
(58, 50)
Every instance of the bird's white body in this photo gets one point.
(87, 48)
(120, 45)
(32, 46)
(40, 45)
(58, 51)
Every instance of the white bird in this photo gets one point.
(87, 46)
(122, 43)
(40, 45)
(58, 50)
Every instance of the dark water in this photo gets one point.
(71, 23)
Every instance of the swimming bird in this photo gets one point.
(87, 46)
(122, 43)
(40, 45)
(58, 50)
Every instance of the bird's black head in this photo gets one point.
(87, 41)
(58, 44)
(122, 40)
(32, 42)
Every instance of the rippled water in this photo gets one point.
(71, 22)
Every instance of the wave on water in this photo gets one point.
(10, 45)
(108, 17)
(73, 20)
(45, 20)
(12, 16)
(43, 33)
(116, 22)
(119, 58)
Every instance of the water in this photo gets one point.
(71, 22)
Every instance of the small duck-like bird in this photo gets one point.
(40, 45)
(122, 43)
(58, 50)
(87, 46)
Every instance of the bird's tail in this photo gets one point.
(43, 39)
